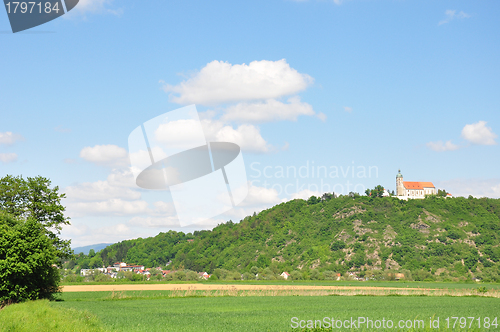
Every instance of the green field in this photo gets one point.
(153, 311)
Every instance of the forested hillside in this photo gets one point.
(434, 238)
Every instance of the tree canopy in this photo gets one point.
(33, 198)
(31, 219)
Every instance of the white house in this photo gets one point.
(285, 275)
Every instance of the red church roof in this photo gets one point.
(417, 185)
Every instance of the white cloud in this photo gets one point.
(106, 155)
(246, 136)
(9, 138)
(99, 191)
(179, 134)
(114, 206)
(322, 116)
(152, 222)
(348, 109)
(183, 133)
(221, 82)
(439, 146)
(270, 110)
(260, 196)
(82, 234)
(305, 194)
(478, 133)
(8, 157)
(475, 187)
(451, 15)
(122, 178)
(258, 199)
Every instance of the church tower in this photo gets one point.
(400, 189)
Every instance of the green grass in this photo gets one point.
(147, 311)
(40, 316)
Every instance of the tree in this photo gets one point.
(313, 200)
(33, 198)
(378, 191)
(27, 261)
(442, 193)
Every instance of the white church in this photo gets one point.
(407, 189)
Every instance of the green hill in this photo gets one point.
(436, 238)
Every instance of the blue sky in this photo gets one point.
(369, 84)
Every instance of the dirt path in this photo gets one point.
(171, 287)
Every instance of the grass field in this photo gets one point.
(41, 316)
(167, 311)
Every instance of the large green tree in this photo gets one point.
(34, 198)
(27, 261)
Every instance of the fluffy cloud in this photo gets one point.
(106, 155)
(439, 146)
(9, 138)
(321, 116)
(221, 82)
(270, 110)
(180, 134)
(305, 194)
(99, 191)
(114, 206)
(451, 15)
(185, 133)
(154, 222)
(81, 234)
(8, 157)
(475, 187)
(478, 133)
(260, 196)
(121, 178)
(246, 136)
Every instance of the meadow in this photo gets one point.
(268, 308)
(209, 311)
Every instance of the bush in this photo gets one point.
(296, 275)
(330, 275)
(192, 276)
(27, 261)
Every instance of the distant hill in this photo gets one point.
(435, 238)
(85, 250)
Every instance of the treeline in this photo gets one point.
(434, 238)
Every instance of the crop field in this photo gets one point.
(274, 309)
(391, 284)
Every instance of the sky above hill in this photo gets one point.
(320, 95)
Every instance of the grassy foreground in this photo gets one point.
(146, 311)
(39, 315)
